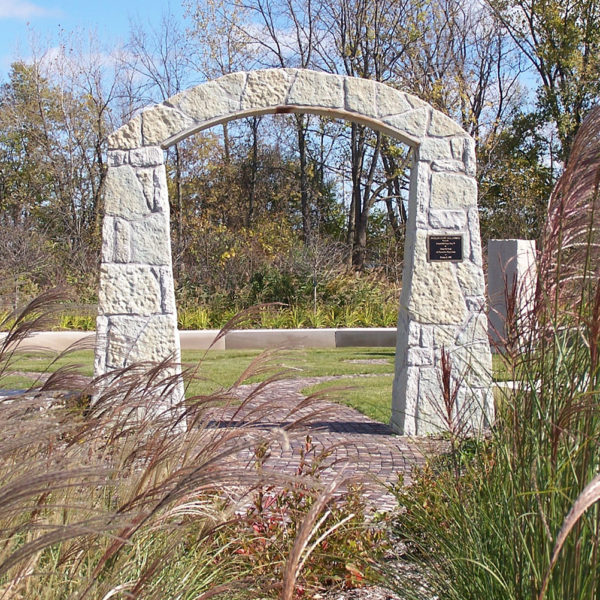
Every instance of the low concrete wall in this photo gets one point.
(237, 339)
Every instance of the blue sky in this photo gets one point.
(109, 18)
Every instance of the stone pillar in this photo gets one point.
(512, 275)
(442, 305)
(136, 306)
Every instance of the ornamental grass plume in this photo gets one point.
(103, 493)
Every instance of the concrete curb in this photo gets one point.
(240, 339)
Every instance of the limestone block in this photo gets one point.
(469, 158)
(449, 190)
(412, 123)
(416, 102)
(127, 137)
(146, 179)
(116, 158)
(161, 190)
(431, 407)
(212, 100)
(414, 332)
(123, 195)
(434, 295)
(151, 241)
(448, 166)
(150, 156)
(160, 122)
(470, 278)
(135, 339)
(405, 400)
(312, 88)
(444, 336)
(427, 336)
(454, 220)
(419, 356)
(435, 149)
(167, 289)
(473, 361)
(122, 241)
(443, 126)
(457, 144)
(101, 345)
(266, 88)
(473, 226)
(360, 96)
(473, 332)
(108, 239)
(390, 101)
(420, 189)
(128, 289)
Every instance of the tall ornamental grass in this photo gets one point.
(114, 490)
(515, 514)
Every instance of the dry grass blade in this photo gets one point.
(306, 532)
(589, 496)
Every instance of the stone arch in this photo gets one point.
(442, 303)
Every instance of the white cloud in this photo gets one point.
(23, 10)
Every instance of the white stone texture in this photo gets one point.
(476, 255)
(412, 123)
(101, 345)
(434, 295)
(469, 158)
(127, 137)
(433, 149)
(116, 158)
(146, 179)
(419, 356)
(161, 191)
(266, 88)
(150, 156)
(151, 241)
(447, 166)
(448, 219)
(360, 96)
(405, 399)
(134, 339)
(512, 274)
(160, 122)
(129, 290)
(167, 290)
(123, 195)
(213, 100)
(390, 101)
(122, 241)
(470, 278)
(311, 88)
(419, 195)
(443, 126)
(444, 336)
(453, 191)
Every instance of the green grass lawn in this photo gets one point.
(220, 369)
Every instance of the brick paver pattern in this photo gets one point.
(358, 448)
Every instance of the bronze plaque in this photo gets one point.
(444, 247)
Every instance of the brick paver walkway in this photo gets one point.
(358, 448)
